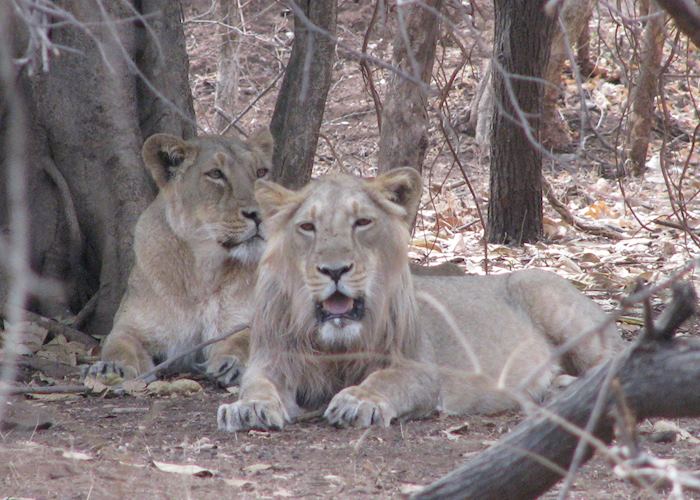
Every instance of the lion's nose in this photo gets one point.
(252, 215)
(335, 273)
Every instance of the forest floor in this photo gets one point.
(168, 446)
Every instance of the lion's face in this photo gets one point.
(207, 183)
(345, 240)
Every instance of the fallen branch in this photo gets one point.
(574, 221)
(56, 328)
(659, 377)
(50, 389)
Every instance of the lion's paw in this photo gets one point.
(226, 369)
(110, 372)
(251, 414)
(359, 407)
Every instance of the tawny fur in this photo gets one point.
(196, 252)
(458, 344)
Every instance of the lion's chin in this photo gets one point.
(339, 332)
(247, 252)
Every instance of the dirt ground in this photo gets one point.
(117, 447)
(108, 448)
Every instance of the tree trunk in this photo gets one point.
(302, 98)
(522, 42)
(658, 378)
(645, 90)
(404, 136)
(556, 134)
(686, 15)
(89, 115)
(227, 74)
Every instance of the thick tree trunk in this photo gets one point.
(645, 90)
(404, 136)
(227, 74)
(302, 98)
(90, 113)
(522, 42)
(658, 377)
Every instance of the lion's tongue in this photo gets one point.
(338, 304)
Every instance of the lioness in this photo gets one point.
(197, 247)
(339, 317)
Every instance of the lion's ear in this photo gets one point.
(263, 142)
(163, 154)
(402, 186)
(273, 197)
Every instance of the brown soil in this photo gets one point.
(106, 448)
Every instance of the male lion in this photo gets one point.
(197, 247)
(339, 317)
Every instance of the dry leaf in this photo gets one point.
(32, 335)
(76, 455)
(668, 426)
(180, 387)
(255, 468)
(191, 470)
(453, 433)
(410, 488)
(239, 483)
(134, 387)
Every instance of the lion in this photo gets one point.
(196, 248)
(340, 319)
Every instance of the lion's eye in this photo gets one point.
(261, 172)
(307, 227)
(215, 174)
(363, 221)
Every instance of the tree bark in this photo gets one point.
(301, 102)
(556, 134)
(404, 135)
(686, 15)
(89, 115)
(227, 73)
(522, 42)
(645, 90)
(658, 377)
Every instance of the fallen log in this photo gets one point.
(658, 375)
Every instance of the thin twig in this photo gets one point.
(574, 221)
(165, 364)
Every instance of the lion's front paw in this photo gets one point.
(225, 369)
(251, 414)
(360, 407)
(110, 372)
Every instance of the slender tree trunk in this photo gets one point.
(227, 74)
(89, 115)
(522, 43)
(646, 89)
(583, 48)
(302, 98)
(404, 135)
(556, 134)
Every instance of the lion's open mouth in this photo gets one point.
(338, 306)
